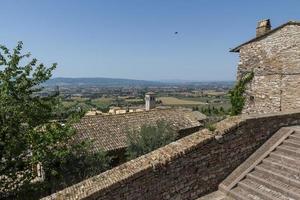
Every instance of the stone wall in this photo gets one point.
(275, 60)
(187, 168)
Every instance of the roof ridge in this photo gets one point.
(131, 113)
(109, 131)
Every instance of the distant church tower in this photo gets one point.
(150, 100)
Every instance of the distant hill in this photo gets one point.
(104, 82)
(119, 82)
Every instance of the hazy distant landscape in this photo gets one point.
(104, 82)
(104, 93)
(119, 82)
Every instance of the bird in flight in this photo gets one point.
(175, 33)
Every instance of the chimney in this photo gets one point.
(150, 101)
(263, 27)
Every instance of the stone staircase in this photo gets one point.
(271, 173)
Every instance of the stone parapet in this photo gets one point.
(187, 168)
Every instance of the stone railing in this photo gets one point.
(187, 168)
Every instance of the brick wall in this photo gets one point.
(275, 60)
(187, 168)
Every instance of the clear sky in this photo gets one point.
(135, 38)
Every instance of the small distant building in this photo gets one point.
(150, 101)
(93, 112)
(274, 58)
(121, 111)
(113, 110)
(135, 109)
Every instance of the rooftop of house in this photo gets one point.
(266, 34)
(109, 132)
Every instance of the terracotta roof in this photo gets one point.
(237, 49)
(108, 132)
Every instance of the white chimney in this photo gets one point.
(150, 100)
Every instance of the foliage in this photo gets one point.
(99, 106)
(195, 108)
(67, 167)
(103, 109)
(210, 127)
(31, 132)
(118, 102)
(237, 97)
(148, 138)
(213, 111)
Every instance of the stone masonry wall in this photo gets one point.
(275, 60)
(187, 168)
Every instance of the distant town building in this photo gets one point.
(274, 57)
(121, 111)
(113, 110)
(93, 112)
(150, 101)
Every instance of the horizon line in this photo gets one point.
(154, 80)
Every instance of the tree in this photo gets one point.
(30, 133)
(196, 108)
(222, 110)
(149, 138)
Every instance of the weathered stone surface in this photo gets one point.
(275, 60)
(272, 172)
(185, 169)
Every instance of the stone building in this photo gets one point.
(274, 57)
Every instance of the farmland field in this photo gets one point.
(103, 101)
(176, 101)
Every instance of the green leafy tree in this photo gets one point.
(237, 97)
(149, 138)
(31, 135)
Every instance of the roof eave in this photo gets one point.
(237, 49)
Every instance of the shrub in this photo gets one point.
(210, 127)
(149, 138)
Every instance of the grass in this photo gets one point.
(210, 127)
(214, 93)
(212, 101)
(102, 101)
(177, 101)
(99, 102)
(68, 104)
(134, 100)
(79, 99)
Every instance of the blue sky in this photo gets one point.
(135, 38)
